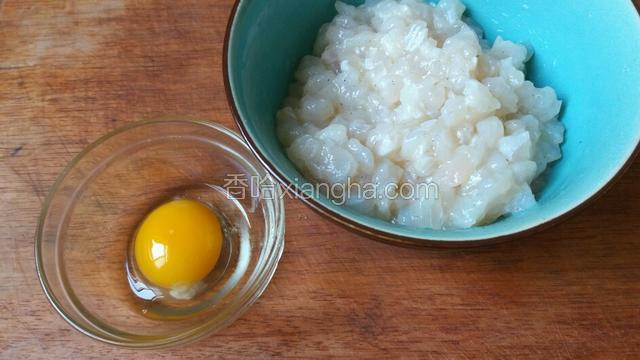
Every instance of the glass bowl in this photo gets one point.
(95, 206)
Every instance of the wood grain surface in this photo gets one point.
(70, 71)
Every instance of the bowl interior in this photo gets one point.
(589, 51)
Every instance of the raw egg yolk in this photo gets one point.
(178, 243)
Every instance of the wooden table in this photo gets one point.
(70, 71)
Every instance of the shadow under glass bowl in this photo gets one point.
(100, 198)
(589, 51)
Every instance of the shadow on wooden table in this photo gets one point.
(573, 287)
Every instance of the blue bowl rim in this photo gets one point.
(384, 236)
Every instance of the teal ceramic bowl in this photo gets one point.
(589, 51)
